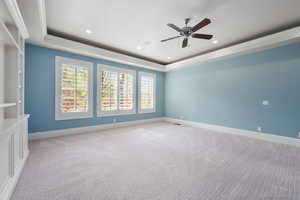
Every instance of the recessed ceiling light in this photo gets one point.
(215, 42)
(88, 31)
(147, 43)
(139, 47)
(169, 57)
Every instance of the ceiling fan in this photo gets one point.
(188, 31)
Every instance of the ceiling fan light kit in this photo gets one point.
(188, 31)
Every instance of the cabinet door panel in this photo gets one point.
(4, 163)
(16, 145)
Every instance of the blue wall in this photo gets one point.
(40, 91)
(227, 92)
(230, 92)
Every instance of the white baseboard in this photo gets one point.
(222, 129)
(72, 131)
(241, 132)
(11, 183)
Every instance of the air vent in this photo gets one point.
(178, 124)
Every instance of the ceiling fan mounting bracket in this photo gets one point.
(187, 20)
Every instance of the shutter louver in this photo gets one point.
(147, 92)
(126, 91)
(109, 91)
(74, 90)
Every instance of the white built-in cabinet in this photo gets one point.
(13, 121)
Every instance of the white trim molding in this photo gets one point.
(270, 41)
(267, 42)
(62, 44)
(246, 133)
(89, 129)
(42, 17)
(226, 130)
(13, 8)
(59, 62)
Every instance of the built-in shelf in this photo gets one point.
(5, 105)
(13, 122)
(7, 37)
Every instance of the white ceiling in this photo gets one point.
(127, 24)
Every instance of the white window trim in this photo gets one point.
(140, 110)
(100, 113)
(72, 115)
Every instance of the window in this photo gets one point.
(116, 91)
(74, 91)
(147, 84)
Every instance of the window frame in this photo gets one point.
(100, 113)
(59, 61)
(152, 75)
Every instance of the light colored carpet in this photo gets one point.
(159, 161)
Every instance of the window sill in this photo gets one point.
(69, 117)
(146, 111)
(115, 114)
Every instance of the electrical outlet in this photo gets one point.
(298, 134)
(265, 102)
(259, 129)
(114, 120)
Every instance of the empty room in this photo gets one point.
(149, 100)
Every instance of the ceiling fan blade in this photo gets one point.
(201, 24)
(170, 38)
(176, 28)
(202, 36)
(184, 42)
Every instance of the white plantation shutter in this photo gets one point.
(116, 89)
(147, 84)
(73, 89)
(68, 89)
(82, 89)
(126, 91)
(109, 91)
(147, 92)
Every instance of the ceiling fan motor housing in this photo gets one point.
(186, 31)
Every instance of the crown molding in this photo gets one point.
(87, 50)
(13, 8)
(270, 41)
(58, 43)
(267, 42)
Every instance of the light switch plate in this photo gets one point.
(265, 102)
